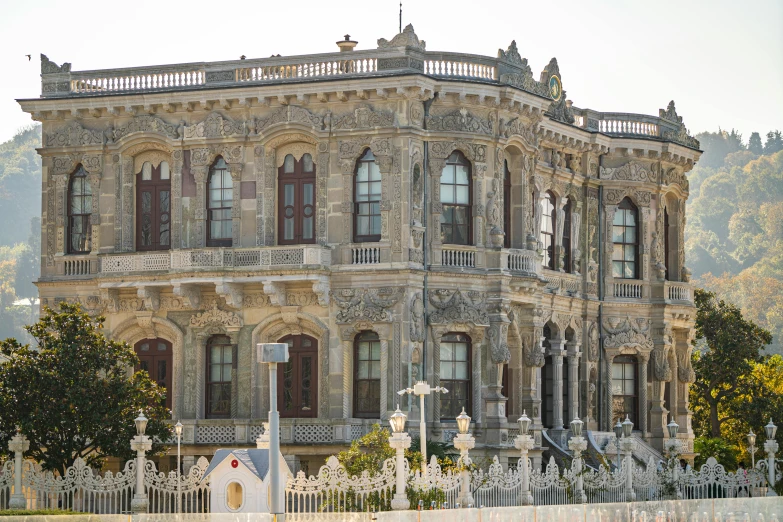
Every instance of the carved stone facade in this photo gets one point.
(536, 340)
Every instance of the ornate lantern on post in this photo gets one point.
(673, 445)
(524, 443)
(577, 444)
(464, 442)
(141, 444)
(399, 441)
(618, 434)
(771, 447)
(18, 445)
(626, 445)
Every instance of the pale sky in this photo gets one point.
(721, 61)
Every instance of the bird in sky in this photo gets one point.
(28, 57)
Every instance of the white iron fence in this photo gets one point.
(177, 493)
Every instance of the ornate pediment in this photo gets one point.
(407, 38)
(631, 171)
(146, 124)
(456, 306)
(363, 118)
(73, 135)
(670, 114)
(461, 120)
(511, 55)
(215, 317)
(674, 176)
(516, 127)
(365, 304)
(628, 333)
(290, 114)
(49, 67)
(681, 135)
(215, 125)
(472, 151)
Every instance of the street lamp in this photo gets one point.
(421, 389)
(141, 424)
(399, 441)
(464, 442)
(672, 445)
(618, 433)
(752, 448)
(627, 426)
(771, 447)
(577, 444)
(178, 431)
(463, 422)
(140, 444)
(626, 444)
(524, 443)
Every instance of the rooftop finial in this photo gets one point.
(347, 44)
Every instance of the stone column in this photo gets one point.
(609, 420)
(644, 406)
(437, 333)
(556, 352)
(347, 377)
(61, 189)
(95, 218)
(574, 356)
(199, 205)
(530, 382)
(500, 355)
(685, 376)
(235, 169)
(560, 227)
(199, 392)
(661, 374)
(176, 200)
(384, 413)
(128, 196)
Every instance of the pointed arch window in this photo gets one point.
(567, 209)
(547, 232)
(367, 375)
(153, 201)
(79, 211)
(626, 241)
(296, 201)
(506, 205)
(220, 197)
(367, 199)
(456, 197)
(455, 356)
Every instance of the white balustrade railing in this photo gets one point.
(458, 257)
(77, 266)
(628, 290)
(126, 80)
(633, 127)
(309, 69)
(365, 255)
(459, 68)
(678, 292)
(523, 261)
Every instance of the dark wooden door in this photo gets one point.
(296, 201)
(153, 208)
(155, 357)
(297, 380)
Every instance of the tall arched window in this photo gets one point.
(367, 198)
(297, 380)
(666, 250)
(155, 356)
(567, 236)
(221, 360)
(455, 353)
(153, 202)
(626, 241)
(79, 210)
(455, 195)
(367, 375)
(220, 196)
(506, 205)
(547, 232)
(296, 201)
(624, 393)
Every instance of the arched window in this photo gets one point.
(221, 360)
(455, 353)
(666, 251)
(297, 380)
(624, 392)
(296, 201)
(455, 195)
(567, 236)
(547, 232)
(220, 196)
(367, 375)
(155, 356)
(367, 198)
(153, 202)
(626, 241)
(79, 210)
(506, 205)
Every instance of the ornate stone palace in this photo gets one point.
(394, 215)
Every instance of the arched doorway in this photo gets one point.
(155, 357)
(297, 380)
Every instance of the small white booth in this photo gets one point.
(240, 481)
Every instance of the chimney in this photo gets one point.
(347, 44)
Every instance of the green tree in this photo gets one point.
(72, 394)
(732, 344)
(774, 142)
(754, 144)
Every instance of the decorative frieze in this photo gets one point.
(456, 306)
(366, 304)
(462, 120)
(631, 171)
(215, 125)
(364, 117)
(627, 333)
(216, 317)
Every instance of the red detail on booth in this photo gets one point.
(234, 463)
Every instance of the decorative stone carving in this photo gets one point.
(627, 332)
(461, 120)
(215, 125)
(417, 333)
(615, 196)
(593, 343)
(516, 127)
(365, 304)
(146, 124)
(363, 117)
(321, 290)
(290, 114)
(276, 292)
(73, 135)
(231, 292)
(631, 171)
(472, 151)
(661, 369)
(456, 306)
(685, 371)
(150, 295)
(49, 67)
(681, 135)
(407, 38)
(511, 55)
(216, 317)
(497, 334)
(190, 293)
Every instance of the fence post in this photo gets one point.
(771, 447)
(18, 444)
(524, 443)
(399, 441)
(626, 444)
(465, 442)
(140, 444)
(577, 444)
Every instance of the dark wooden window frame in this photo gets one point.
(83, 218)
(158, 185)
(460, 161)
(213, 342)
(153, 356)
(219, 241)
(365, 337)
(300, 179)
(549, 250)
(457, 337)
(626, 359)
(368, 238)
(567, 209)
(295, 356)
(506, 205)
(627, 205)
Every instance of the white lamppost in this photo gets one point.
(771, 447)
(178, 431)
(399, 441)
(464, 442)
(626, 444)
(618, 434)
(18, 444)
(752, 448)
(673, 449)
(524, 443)
(577, 444)
(421, 389)
(272, 354)
(140, 444)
